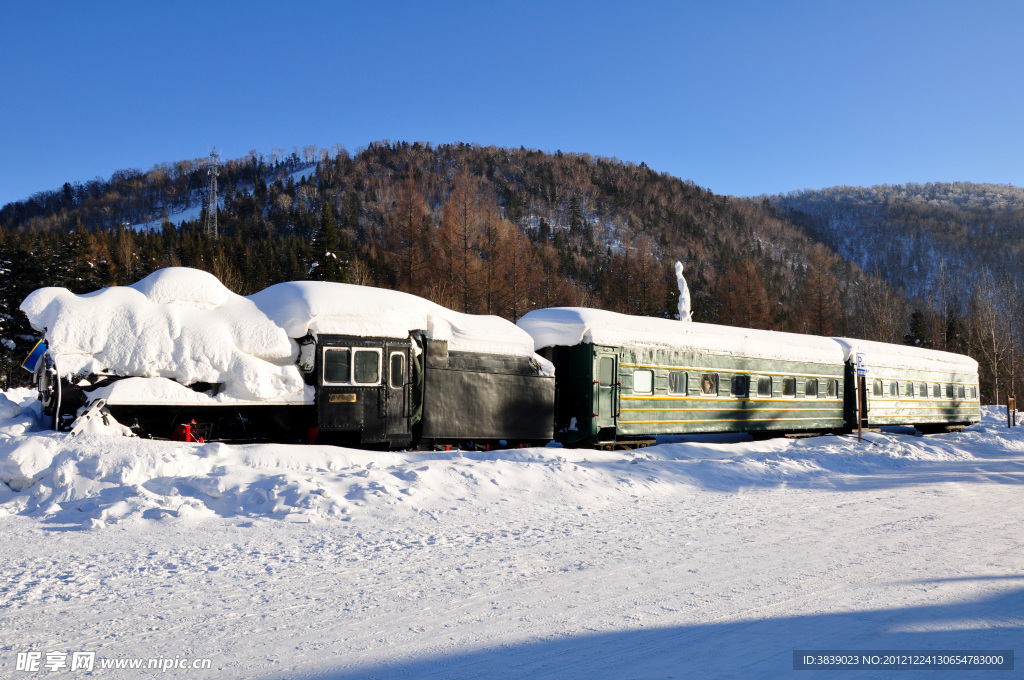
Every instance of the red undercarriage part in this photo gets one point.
(183, 433)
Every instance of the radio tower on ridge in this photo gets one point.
(211, 209)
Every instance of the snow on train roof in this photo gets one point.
(573, 325)
(176, 323)
(183, 324)
(317, 307)
(885, 355)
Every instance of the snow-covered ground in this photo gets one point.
(702, 558)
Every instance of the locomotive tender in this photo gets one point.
(359, 366)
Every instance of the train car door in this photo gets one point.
(607, 388)
(352, 387)
(396, 398)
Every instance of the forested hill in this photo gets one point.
(478, 229)
(909, 231)
(483, 230)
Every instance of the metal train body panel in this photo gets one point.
(926, 399)
(477, 397)
(608, 394)
(394, 392)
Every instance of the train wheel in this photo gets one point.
(48, 386)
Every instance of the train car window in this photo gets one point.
(336, 365)
(709, 384)
(936, 391)
(677, 382)
(876, 388)
(833, 388)
(908, 389)
(811, 388)
(367, 366)
(643, 382)
(974, 393)
(894, 389)
(789, 387)
(960, 392)
(949, 391)
(740, 386)
(922, 390)
(396, 371)
(764, 387)
(605, 371)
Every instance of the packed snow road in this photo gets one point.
(688, 559)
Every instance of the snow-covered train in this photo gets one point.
(177, 355)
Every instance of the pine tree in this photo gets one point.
(918, 335)
(329, 265)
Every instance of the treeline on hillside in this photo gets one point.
(477, 229)
(906, 231)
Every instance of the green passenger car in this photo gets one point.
(624, 379)
(931, 390)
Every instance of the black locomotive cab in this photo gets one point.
(392, 393)
(364, 390)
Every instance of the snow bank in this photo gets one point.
(718, 558)
(8, 408)
(184, 325)
(176, 323)
(884, 355)
(315, 307)
(94, 479)
(572, 325)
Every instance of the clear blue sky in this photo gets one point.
(744, 98)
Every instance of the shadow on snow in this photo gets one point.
(760, 648)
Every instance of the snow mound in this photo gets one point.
(182, 285)
(122, 331)
(573, 325)
(8, 408)
(26, 460)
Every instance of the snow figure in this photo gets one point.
(684, 294)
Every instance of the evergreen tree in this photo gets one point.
(352, 209)
(329, 264)
(918, 335)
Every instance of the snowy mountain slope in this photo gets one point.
(905, 231)
(696, 558)
(191, 208)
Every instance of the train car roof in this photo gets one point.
(574, 325)
(886, 355)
